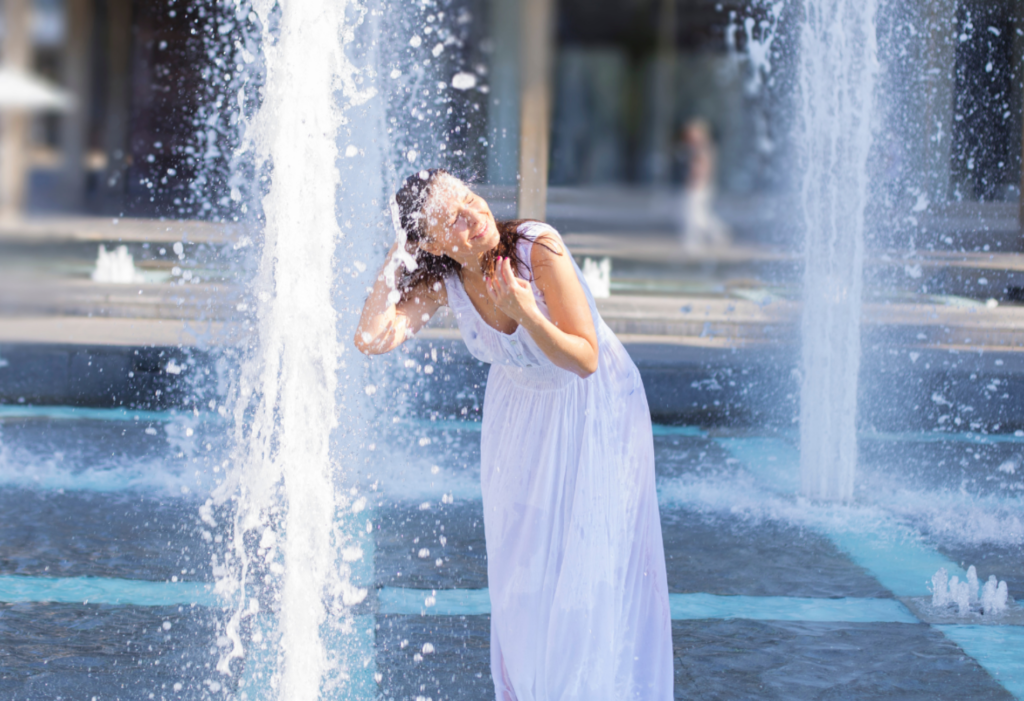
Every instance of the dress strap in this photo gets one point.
(456, 292)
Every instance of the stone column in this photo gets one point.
(663, 103)
(503, 110)
(14, 126)
(115, 134)
(536, 49)
(77, 80)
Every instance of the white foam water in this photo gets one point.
(178, 459)
(947, 515)
(116, 266)
(968, 597)
(286, 544)
(154, 476)
(759, 37)
(837, 69)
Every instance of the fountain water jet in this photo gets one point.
(284, 482)
(837, 70)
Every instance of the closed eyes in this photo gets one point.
(467, 201)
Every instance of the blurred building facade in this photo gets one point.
(619, 79)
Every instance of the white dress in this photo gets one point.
(575, 563)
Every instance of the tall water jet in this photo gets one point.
(282, 572)
(837, 69)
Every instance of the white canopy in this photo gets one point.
(20, 90)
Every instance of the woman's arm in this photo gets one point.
(568, 339)
(384, 326)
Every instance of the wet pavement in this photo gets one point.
(725, 535)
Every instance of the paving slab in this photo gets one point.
(405, 531)
(54, 651)
(726, 660)
(716, 554)
(59, 229)
(114, 331)
(458, 669)
(85, 534)
(796, 661)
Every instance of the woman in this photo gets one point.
(575, 564)
(699, 227)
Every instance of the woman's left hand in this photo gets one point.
(511, 294)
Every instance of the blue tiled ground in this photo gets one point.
(715, 552)
(730, 532)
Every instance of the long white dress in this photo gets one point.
(575, 562)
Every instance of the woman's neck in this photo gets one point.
(476, 267)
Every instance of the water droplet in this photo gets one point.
(463, 81)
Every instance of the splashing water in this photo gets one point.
(116, 266)
(838, 57)
(968, 597)
(284, 556)
(759, 39)
(752, 41)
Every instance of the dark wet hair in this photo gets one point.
(412, 200)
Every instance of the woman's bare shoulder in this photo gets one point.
(547, 247)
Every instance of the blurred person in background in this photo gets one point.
(699, 227)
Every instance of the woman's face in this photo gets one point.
(459, 222)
